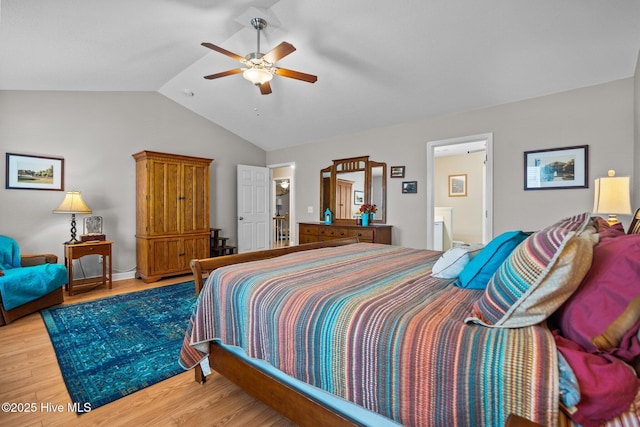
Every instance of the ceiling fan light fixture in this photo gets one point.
(257, 76)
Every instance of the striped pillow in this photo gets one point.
(634, 227)
(539, 275)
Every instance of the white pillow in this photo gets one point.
(453, 261)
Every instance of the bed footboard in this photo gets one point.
(296, 406)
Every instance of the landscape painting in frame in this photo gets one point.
(458, 185)
(557, 168)
(26, 172)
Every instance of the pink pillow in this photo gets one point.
(607, 231)
(612, 282)
(607, 385)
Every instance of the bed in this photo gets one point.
(346, 333)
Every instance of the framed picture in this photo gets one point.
(410, 186)
(397, 171)
(458, 185)
(556, 168)
(25, 172)
(358, 197)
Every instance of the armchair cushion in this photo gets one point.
(20, 285)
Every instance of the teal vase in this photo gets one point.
(365, 219)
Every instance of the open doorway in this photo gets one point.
(447, 204)
(282, 205)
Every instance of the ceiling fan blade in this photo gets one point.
(296, 75)
(223, 51)
(279, 52)
(265, 88)
(224, 73)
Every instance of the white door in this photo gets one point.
(253, 208)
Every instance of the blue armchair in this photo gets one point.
(28, 283)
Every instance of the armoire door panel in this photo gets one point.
(195, 193)
(164, 195)
(166, 256)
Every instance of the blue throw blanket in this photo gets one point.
(9, 253)
(21, 285)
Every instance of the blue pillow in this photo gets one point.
(480, 269)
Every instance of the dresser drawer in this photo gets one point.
(309, 229)
(308, 238)
(332, 233)
(363, 235)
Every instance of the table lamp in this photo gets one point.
(73, 204)
(612, 196)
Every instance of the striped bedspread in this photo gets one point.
(368, 323)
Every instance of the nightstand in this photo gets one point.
(79, 250)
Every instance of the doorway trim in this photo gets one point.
(487, 228)
(293, 230)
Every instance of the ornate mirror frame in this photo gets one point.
(375, 186)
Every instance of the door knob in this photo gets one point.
(241, 218)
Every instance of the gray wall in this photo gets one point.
(96, 133)
(600, 116)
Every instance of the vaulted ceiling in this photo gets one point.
(378, 62)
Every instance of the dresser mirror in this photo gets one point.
(348, 183)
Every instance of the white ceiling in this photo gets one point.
(378, 62)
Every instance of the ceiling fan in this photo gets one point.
(258, 67)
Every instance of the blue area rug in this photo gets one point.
(115, 346)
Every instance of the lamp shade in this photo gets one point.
(612, 195)
(73, 204)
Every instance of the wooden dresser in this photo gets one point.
(172, 213)
(309, 232)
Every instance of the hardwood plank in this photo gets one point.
(29, 373)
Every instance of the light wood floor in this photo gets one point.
(29, 374)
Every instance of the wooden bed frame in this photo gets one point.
(293, 404)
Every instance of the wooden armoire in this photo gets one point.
(172, 213)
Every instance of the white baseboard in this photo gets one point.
(124, 276)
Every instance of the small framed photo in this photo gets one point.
(397, 171)
(26, 172)
(458, 185)
(556, 168)
(358, 197)
(410, 186)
